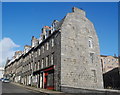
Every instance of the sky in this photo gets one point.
(21, 21)
(60, 0)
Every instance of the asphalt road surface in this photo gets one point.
(11, 89)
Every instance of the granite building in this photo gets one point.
(65, 56)
(110, 68)
(1, 72)
(109, 63)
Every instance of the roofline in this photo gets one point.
(107, 56)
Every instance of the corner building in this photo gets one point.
(65, 57)
(80, 63)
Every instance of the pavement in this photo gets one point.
(11, 89)
(18, 89)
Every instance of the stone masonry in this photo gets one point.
(77, 70)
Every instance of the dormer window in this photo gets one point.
(43, 37)
(55, 25)
(34, 42)
(50, 32)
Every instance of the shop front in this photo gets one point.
(45, 78)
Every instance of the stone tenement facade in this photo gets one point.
(1, 72)
(110, 68)
(65, 56)
(109, 63)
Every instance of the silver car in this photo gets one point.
(6, 80)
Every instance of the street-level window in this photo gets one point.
(92, 57)
(52, 42)
(90, 42)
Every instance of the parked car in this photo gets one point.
(2, 79)
(6, 80)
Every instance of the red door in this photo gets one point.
(45, 80)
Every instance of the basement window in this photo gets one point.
(94, 75)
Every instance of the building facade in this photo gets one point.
(65, 56)
(109, 63)
(110, 68)
(1, 72)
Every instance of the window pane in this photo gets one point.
(42, 63)
(52, 59)
(94, 76)
(46, 61)
(92, 57)
(52, 42)
(47, 45)
(90, 42)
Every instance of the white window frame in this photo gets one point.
(90, 42)
(47, 46)
(52, 42)
(52, 59)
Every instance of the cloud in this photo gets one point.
(7, 49)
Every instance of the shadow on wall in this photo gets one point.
(112, 79)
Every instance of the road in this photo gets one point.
(11, 89)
